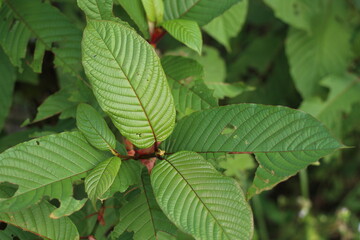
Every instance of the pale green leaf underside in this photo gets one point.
(284, 140)
(316, 52)
(229, 24)
(97, 9)
(36, 219)
(142, 215)
(201, 11)
(38, 19)
(46, 166)
(94, 128)
(185, 31)
(101, 177)
(128, 81)
(7, 84)
(187, 187)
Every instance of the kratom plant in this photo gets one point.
(160, 178)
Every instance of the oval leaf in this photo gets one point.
(101, 177)
(217, 208)
(185, 31)
(128, 81)
(94, 128)
(284, 140)
(46, 166)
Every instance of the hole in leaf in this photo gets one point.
(228, 129)
(79, 191)
(3, 226)
(55, 202)
(7, 189)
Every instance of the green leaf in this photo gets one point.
(94, 128)
(142, 215)
(128, 81)
(56, 103)
(283, 140)
(101, 178)
(137, 13)
(36, 219)
(185, 31)
(46, 166)
(7, 83)
(201, 11)
(128, 175)
(11, 232)
(189, 91)
(344, 92)
(68, 207)
(154, 10)
(296, 13)
(97, 9)
(26, 16)
(315, 52)
(228, 25)
(215, 204)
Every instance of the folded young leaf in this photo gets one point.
(101, 177)
(46, 166)
(229, 24)
(26, 16)
(201, 11)
(185, 31)
(284, 140)
(128, 81)
(216, 207)
(137, 13)
(97, 9)
(36, 220)
(154, 10)
(142, 215)
(94, 128)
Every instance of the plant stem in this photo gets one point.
(304, 183)
(260, 219)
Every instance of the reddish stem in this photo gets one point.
(157, 34)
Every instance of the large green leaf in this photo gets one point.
(229, 24)
(201, 11)
(312, 56)
(11, 232)
(7, 84)
(154, 10)
(344, 92)
(101, 178)
(284, 140)
(189, 91)
(297, 13)
(199, 200)
(186, 31)
(97, 9)
(36, 219)
(94, 128)
(137, 13)
(142, 215)
(128, 81)
(37, 20)
(46, 166)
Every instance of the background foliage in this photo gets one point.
(298, 53)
